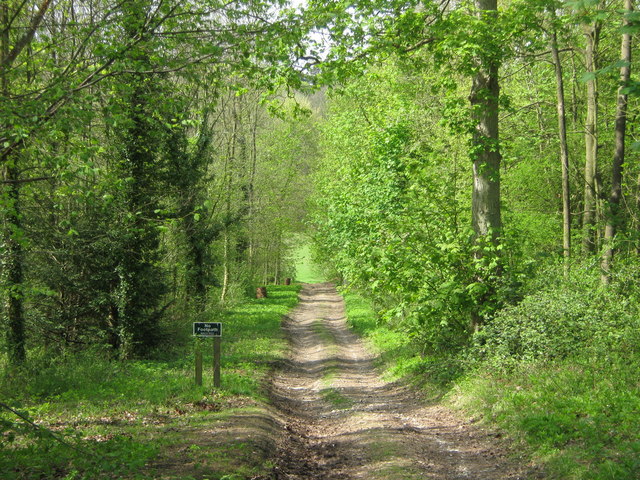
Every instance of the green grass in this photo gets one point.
(399, 356)
(307, 271)
(120, 416)
(336, 399)
(580, 417)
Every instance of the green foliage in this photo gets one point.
(579, 416)
(400, 355)
(307, 270)
(392, 216)
(109, 119)
(561, 318)
(254, 339)
(144, 181)
(46, 457)
(558, 371)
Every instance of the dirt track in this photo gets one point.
(344, 422)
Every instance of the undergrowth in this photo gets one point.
(96, 414)
(400, 356)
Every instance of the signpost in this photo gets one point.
(209, 330)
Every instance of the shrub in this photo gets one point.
(565, 318)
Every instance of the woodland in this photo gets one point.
(467, 169)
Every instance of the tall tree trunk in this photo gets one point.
(591, 186)
(252, 195)
(225, 267)
(4, 46)
(12, 260)
(190, 167)
(486, 216)
(485, 198)
(139, 287)
(564, 152)
(196, 287)
(613, 215)
(229, 164)
(638, 210)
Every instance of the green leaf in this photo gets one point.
(588, 77)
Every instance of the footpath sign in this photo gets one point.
(208, 330)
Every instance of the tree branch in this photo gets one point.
(28, 36)
(25, 180)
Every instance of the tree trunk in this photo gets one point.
(564, 152)
(638, 210)
(12, 259)
(613, 215)
(252, 194)
(190, 168)
(225, 268)
(276, 274)
(591, 187)
(196, 286)
(140, 284)
(4, 48)
(229, 162)
(485, 153)
(486, 216)
(12, 266)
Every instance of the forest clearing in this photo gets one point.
(463, 174)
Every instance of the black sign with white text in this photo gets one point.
(207, 329)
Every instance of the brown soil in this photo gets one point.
(343, 421)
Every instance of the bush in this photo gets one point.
(565, 318)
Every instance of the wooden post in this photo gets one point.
(199, 368)
(216, 362)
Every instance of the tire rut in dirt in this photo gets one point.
(295, 391)
(341, 421)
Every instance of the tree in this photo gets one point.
(564, 148)
(592, 187)
(613, 217)
(376, 30)
(485, 151)
(139, 285)
(12, 233)
(85, 83)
